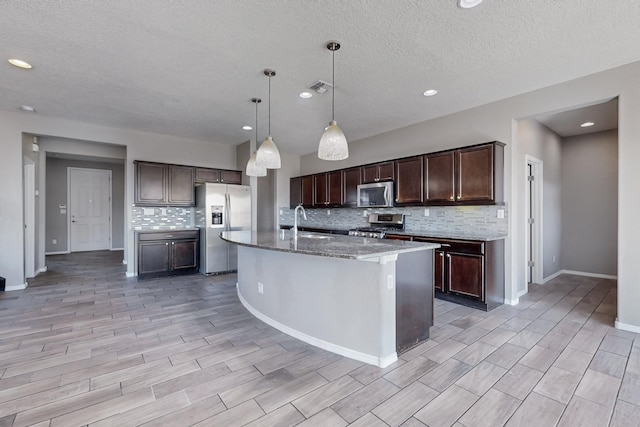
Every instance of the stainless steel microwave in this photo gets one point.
(375, 195)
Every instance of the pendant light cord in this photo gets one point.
(256, 122)
(333, 90)
(269, 105)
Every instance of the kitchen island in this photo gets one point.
(362, 298)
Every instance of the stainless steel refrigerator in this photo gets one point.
(221, 207)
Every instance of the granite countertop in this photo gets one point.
(335, 246)
(163, 229)
(482, 236)
(454, 235)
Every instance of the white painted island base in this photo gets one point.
(345, 306)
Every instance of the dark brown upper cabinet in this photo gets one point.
(218, 176)
(230, 177)
(470, 175)
(159, 184)
(351, 178)
(295, 192)
(439, 185)
(327, 189)
(377, 172)
(307, 191)
(409, 181)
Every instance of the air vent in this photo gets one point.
(321, 86)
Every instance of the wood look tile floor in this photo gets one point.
(84, 345)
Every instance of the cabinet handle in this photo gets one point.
(166, 244)
(451, 198)
(449, 269)
(441, 254)
(173, 243)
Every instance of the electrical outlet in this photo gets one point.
(500, 213)
(54, 241)
(554, 258)
(390, 281)
(260, 288)
(426, 212)
(328, 212)
(280, 211)
(365, 213)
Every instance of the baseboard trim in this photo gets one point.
(584, 273)
(627, 327)
(513, 301)
(131, 274)
(58, 253)
(124, 261)
(42, 270)
(20, 287)
(553, 276)
(381, 362)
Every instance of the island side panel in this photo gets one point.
(345, 306)
(414, 298)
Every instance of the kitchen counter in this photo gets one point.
(362, 298)
(334, 245)
(436, 234)
(162, 229)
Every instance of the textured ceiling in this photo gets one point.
(189, 68)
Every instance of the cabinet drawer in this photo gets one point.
(462, 246)
(168, 235)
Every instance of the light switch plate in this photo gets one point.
(500, 213)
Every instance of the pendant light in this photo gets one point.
(252, 168)
(333, 144)
(268, 155)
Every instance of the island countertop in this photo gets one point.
(335, 246)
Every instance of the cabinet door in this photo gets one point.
(207, 175)
(334, 188)
(184, 254)
(439, 178)
(351, 178)
(151, 184)
(153, 257)
(385, 171)
(475, 174)
(439, 271)
(465, 274)
(295, 192)
(320, 190)
(181, 191)
(409, 181)
(307, 191)
(369, 174)
(231, 177)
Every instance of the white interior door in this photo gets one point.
(89, 209)
(29, 220)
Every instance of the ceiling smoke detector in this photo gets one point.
(321, 86)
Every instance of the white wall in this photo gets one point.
(590, 203)
(497, 121)
(139, 146)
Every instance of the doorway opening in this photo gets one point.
(29, 201)
(533, 223)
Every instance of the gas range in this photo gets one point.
(380, 225)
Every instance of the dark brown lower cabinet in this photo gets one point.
(414, 298)
(166, 253)
(470, 273)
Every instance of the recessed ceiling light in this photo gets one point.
(305, 95)
(246, 127)
(20, 63)
(468, 4)
(28, 108)
(429, 92)
(587, 124)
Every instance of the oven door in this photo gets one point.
(375, 195)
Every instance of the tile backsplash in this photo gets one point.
(160, 217)
(440, 218)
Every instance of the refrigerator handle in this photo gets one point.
(228, 211)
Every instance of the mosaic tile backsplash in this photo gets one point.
(155, 218)
(479, 219)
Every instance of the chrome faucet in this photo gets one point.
(295, 219)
